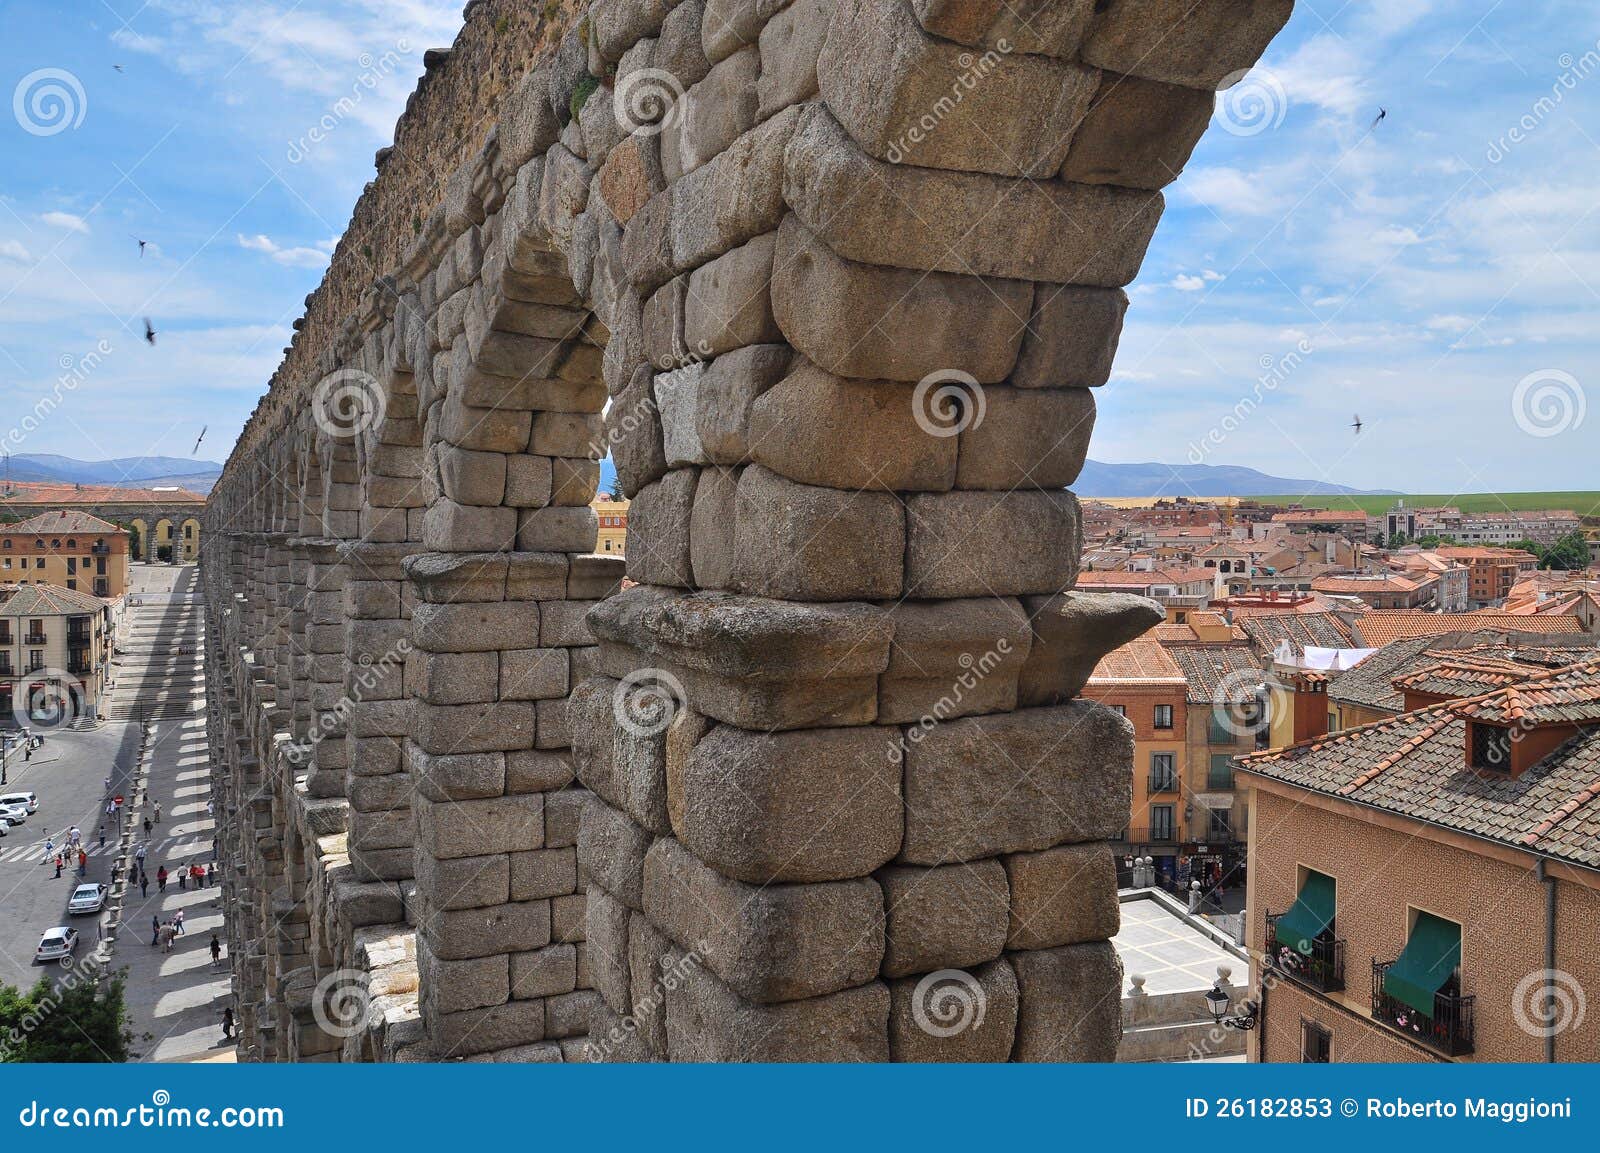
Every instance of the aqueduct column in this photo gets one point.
(843, 275)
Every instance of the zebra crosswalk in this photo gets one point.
(156, 851)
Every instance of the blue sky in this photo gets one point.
(1415, 273)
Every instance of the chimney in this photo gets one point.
(1310, 706)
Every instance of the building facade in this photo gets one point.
(611, 516)
(68, 549)
(55, 644)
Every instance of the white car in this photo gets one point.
(90, 898)
(28, 801)
(56, 944)
(13, 814)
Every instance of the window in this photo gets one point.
(1219, 825)
(1163, 778)
(1220, 773)
(1163, 716)
(72, 584)
(1316, 1043)
(1491, 747)
(1219, 730)
(38, 562)
(1181, 617)
(71, 543)
(1161, 822)
(1120, 710)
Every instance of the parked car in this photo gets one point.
(57, 944)
(26, 800)
(13, 814)
(90, 898)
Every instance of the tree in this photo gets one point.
(1527, 545)
(67, 1022)
(1397, 540)
(1569, 553)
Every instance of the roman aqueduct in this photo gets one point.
(811, 783)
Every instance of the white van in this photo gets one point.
(25, 800)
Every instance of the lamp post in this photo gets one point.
(1218, 1002)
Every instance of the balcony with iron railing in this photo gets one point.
(1323, 970)
(100, 550)
(1447, 1030)
(35, 639)
(1164, 782)
(79, 663)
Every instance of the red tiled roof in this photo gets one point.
(1376, 629)
(61, 520)
(46, 600)
(50, 493)
(1320, 516)
(1141, 660)
(1356, 585)
(1466, 674)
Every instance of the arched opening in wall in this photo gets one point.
(163, 541)
(188, 547)
(138, 538)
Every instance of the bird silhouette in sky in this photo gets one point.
(1382, 112)
(141, 243)
(198, 439)
(149, 332)
(1356, 424)
(118, 67)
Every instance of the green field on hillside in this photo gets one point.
(1582, 503)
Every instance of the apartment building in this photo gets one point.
(1491, 572)
(67, 548)
(54, 647)
(612, 517)
(1425, 888)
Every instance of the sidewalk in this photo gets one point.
(176, 997)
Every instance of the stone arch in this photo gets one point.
(139, 542)
(757, 290)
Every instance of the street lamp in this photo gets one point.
(1217, 1001)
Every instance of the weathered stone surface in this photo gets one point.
(911, 98)
(963, 544)
(652, 962)
(769, 943)
(533, 674)
(676, 398)
(1062, 896)
(712, 114)
(872, 322)
(953, 658)
(726, 394)
(631, 175)
(734, 198)
(543, 873)
(608, 948)
(679, 52)
(1027, 439)
(611, 851)
(968, 223)
(1017, 782)
(474, 828)
(635, 435)
(544, 972)
(474, 627)
(711, 528)
(1071, 1007)
(947, 917)
(1050, 27)
(944, 1017)
(509, 928)
(708, 1021)
(819, 805)
(1071, 632)
(455, 986)
(658, 530)
(802, 542)
(557, 529)
(446, 778)
(820, 429)
(729, 302)
(1183, 43)
(464, 882)
(1137, 133)
(487, 1030)
(790, 43)
(1071, 337)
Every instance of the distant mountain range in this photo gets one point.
(131, 471)
(1149, 480)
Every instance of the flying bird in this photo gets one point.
(118, 67)
(1382, 112)
(199, 438)
(142, 243)
(149, 332)
(1356, 424)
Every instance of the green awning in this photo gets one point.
(1425, 964)
(1311, 913)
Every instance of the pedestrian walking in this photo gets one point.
(227, 1024)
(144, 883)
(198, 875)
(138, 855)
(183, 877)
(58, 864)
(108, 785)
(155, 928)
(102, 836)
(166, 935)
(158, 812)
(177, 923)
(211, 874)
(49, 850)
(216, 951)
(83, 863)
(147, 826)
(161, 879)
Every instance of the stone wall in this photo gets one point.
(841, 275)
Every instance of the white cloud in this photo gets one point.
(297, 257)
(1186, 283)
(13, 250)
(66, 220)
